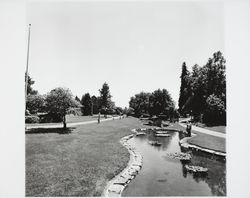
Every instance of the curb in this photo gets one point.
(116, 185)
(184, 143)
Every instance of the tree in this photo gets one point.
(215, 112)
(140, 103)
(184, 89)
(95, 101)
(77, 99)
(87, 104)
(118, 110)
(60, 101)
(35, 103)
(106, 103)
(160, 102)
(30, 90)
(206, 91)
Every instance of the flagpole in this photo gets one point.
(27, 67)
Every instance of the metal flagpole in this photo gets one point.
(27, 67)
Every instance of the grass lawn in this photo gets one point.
(70, 119)
(206, 141)
(79, 163)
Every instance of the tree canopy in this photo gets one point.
(155, 103)
(30, 90)
(59, 101)
(206, 88)
(105, 102)
(86, 104)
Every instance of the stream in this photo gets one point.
(164, 176)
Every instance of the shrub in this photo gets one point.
(215, 113)
(50, 117)
(35, 103)
(32, 119)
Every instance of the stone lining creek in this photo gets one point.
(161, 175)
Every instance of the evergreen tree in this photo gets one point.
(86, 104)
(105, 97)
(184, 89)
(77, 99)
(30, 90)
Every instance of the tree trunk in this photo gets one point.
(64, 122)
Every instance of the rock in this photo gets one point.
(113, 194)
(162, 135)
(116, 188)
(180, 156)
(121, 180)
(154, 143)
(196, 169)
(140, 133)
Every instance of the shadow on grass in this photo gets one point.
(60, 130)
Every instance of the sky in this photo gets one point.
(133, 46)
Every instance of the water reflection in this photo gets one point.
(163, 176)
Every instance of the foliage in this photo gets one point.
(86, 104)
(105, 97)
(184, 89)
(160, 102)
(118, 110)
(156, 103)
(59, 101)
(96, 103)
(77, 99)
(106, 105)
(50, 117)
(215, 110)
(206, 91)
(32, 119)
(35, 103)
(30, 90)
(140, 103)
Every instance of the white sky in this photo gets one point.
(133, 46)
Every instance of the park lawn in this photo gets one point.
(205, 140)
(70, 119)
(79, 163)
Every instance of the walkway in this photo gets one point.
(70, 124)
(206, 131)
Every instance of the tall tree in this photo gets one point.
(87, 104)
(207, 91)
(35, 103)
(160, 102)
(105, 97)
(77, 99)
(30, 90)
(140, 103)
(184, 89)
(59, 101)
(95, 101)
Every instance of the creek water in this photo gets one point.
(163, 176)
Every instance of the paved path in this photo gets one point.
(69, 124)
(206, 131)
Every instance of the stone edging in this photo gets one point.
(115, 186)
(184, 143)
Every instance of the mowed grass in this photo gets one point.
(206, 141)
(79, 163)
(70, 119)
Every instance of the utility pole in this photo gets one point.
(27, 67)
